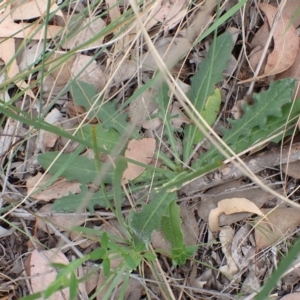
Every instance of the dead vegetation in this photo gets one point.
(79, 84)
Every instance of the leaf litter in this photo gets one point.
(114, 75)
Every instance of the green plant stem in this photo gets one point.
(98, 168)
(166, 160)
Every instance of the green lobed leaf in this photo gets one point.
(269, 113)
(203, 82)
(266, 104)
(82, 169)
(149, 219)
(112, 118)
(106, 138)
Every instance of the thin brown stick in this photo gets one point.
(257, 163)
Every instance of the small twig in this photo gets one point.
(267, 159)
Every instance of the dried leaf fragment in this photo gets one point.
(282, 220)
(58, 189)
(228, 207)
(286, 42)
(141, 151)
(42, 274)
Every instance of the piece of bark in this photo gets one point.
(257, 163)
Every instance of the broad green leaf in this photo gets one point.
(106, 138)
(210, 113)
(83, 169)
(203, 82)
(149, 219)
(171, 227)
(84, 94)
(72, 202)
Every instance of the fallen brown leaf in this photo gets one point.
(42, 274)
(60, 222)
(58, 189)
(141, 151)
(283, 220)
(286, 42)
(228, 207)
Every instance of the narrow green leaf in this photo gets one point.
(106, 266)
(121, 165)
(99, 253)
(210, 113)
(82, 169)
(73, 286)
(171, 227)
(72, 202)
(149, 219)
(203, 82)
(104, 240)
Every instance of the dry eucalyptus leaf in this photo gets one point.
(180, 119)
(243, 252)
(292, 169)
(10, 29)
(29, 55)
(293, 71)
(141, 151)
(62, 74)
(168, 48)
(226, 236)
(228, 207)
(42, 274)
(34, 9)
(292, 296)
(47, 140)
(90, 72)
(291, 10)
(283, 221)
(58, 189)
(233, 189)
(286, 42)
(61, 222)
(169, 12)
(126, 68)
(142, 107)
(85, 32)
(189, 226)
